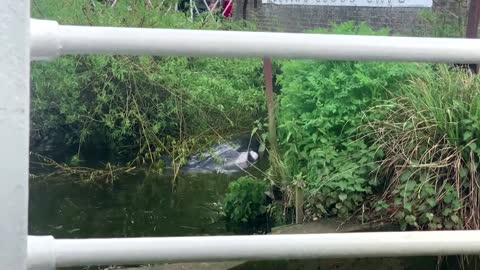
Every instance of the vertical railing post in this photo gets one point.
(472, 27)
(14, 132)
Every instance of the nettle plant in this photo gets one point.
(246, 200)
(321, 107)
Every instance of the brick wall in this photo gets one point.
(298, 18)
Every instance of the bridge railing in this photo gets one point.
(46, 253)
(49, 40)
(23, 40)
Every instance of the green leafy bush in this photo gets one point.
(429, 137)
(246, 200)
(322, 106)
(140, 107)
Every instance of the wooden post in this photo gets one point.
(299, 204)
(272, 126)
(272, 138)
(472, 26)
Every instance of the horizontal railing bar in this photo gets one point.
(48, 40)
(128, 251)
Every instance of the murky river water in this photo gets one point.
(133, 206)
(144, 205)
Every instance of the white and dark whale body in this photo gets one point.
(223, 158)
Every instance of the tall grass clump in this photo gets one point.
(429, 138)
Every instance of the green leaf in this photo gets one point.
(342, 196)
(254, 130)
(456, 204)
(473, 146)
(455, 219)
(408, 206)
(449, 225)
(405, 176)
(411, 220)
(448, 198)
(397, 201)
(431, 202)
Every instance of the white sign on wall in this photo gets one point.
(354, 3)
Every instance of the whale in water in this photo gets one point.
(222, 158)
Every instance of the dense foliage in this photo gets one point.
(322, 105)
(140, 107)
(394, 141)
(246, 200)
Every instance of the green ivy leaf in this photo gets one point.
(411, 220)
(455, 219)
(473, 146)
(431, 202)
(467, 135)
(408, 206)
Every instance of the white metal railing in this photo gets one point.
(47, 252)
(48, 40)
(14, 132)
